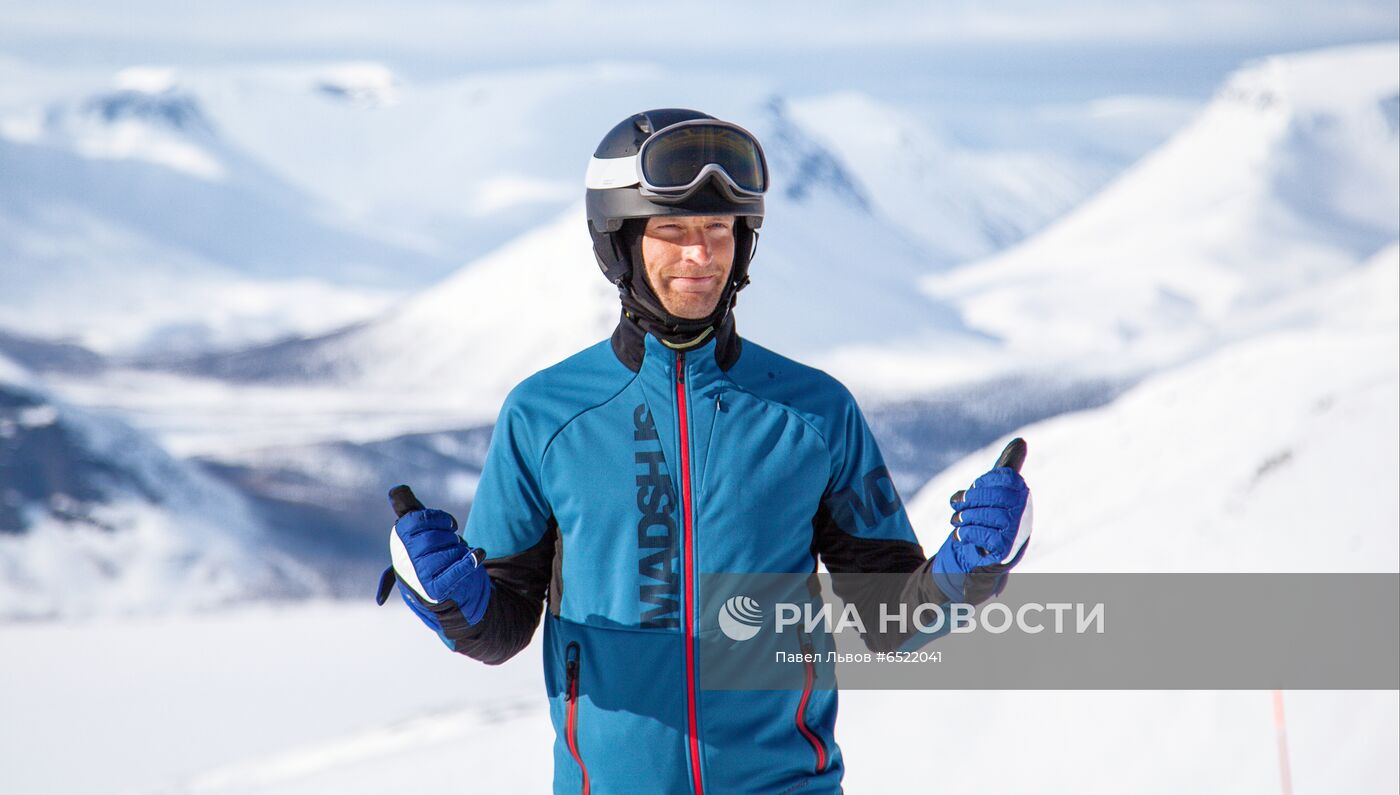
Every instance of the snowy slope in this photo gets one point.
(154, 700)
(96, 519)
(960, 203)
(352, 699)
(1287, 178)
(477, 334)
(1237, 458)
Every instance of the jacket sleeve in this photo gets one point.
(511, 521)
(861, 528)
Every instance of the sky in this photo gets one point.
(435, 34)
(637, 28)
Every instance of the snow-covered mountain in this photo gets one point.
(128, 221)
(1286, 179)
(1276, 453)
(462, 164)
(207, 208)
(960, 203)
(38, 355)
(476, 160)
(325, 502)
(833, 282)
(828, 272)
(96, 519)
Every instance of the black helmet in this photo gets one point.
(674, 161)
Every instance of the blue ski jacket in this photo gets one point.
(613, 480)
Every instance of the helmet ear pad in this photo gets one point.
(612, 256)
(745, 246)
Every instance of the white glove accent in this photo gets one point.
(403, 566)
(1023, 530)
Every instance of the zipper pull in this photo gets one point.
(571, 671)
(680, 368)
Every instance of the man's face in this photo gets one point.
(688, 259)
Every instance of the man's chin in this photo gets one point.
(692, 309)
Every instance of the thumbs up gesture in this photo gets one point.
(441, 577)
(991, 527)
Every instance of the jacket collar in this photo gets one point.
(629, 343)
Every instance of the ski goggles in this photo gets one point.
(676, 161)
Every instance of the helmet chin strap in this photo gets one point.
(641, 304)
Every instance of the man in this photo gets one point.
(616, 477)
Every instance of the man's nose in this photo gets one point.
(698, 251)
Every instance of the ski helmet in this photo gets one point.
(673, 162)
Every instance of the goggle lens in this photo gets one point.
(674, 159)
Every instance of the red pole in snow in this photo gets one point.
(1282, 733)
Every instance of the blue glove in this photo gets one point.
(991, 527)
(441, 577)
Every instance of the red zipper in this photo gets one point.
(817, 745)
(689, 573)
(571, 666)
